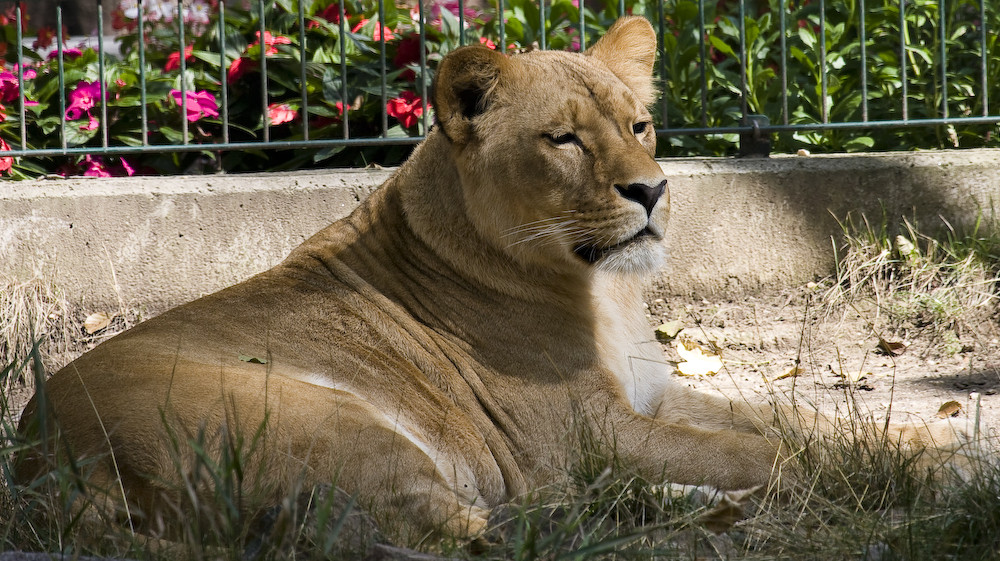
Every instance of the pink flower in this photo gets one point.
(199, 104)
(278, 113)
(486, 42)
(377, 34)
(174, 60)
(406, 108)
(129, 171)
(6, 162)
(29, 73)
(83, 99)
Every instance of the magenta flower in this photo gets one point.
(92, 123)
(83, 99)
(94, 166)
(199, 104)
(68, 54)
(8, 87)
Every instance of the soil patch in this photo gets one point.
(794, 343)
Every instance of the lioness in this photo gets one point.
(431, 352)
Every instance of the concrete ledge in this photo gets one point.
(738, 226)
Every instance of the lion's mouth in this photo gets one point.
(592, 254)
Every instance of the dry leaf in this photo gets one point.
(695, 360)
(668, 331)
(793, 371)
(253, 359)
(891, 348)
(855, 377)
(96, 322)
(728, 511)
(949, 409)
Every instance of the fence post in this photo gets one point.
(754, 143)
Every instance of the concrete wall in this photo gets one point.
(738, 226)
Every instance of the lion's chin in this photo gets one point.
(642, 254)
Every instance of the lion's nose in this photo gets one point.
(646, 195)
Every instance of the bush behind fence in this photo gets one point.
(194, 85)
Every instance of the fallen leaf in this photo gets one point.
(253, 359)
(96, 322)
(793, 371)
(855, 377)
(668, 331)
(949, 409)
(695, 361)
(891, 348)
(728, 511)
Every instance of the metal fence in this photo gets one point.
(317, 77)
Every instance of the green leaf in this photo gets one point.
(860, 143)
(721, 46)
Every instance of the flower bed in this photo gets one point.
(357, 70)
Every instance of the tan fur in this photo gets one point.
(435, 352)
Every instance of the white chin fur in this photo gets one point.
(641, 259)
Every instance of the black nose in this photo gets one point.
(646, 195)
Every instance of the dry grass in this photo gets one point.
(911, 280)
(31, 312)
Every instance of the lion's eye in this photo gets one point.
(563, 138)
(640, 128)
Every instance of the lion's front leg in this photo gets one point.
(949, 442)
(684, 453)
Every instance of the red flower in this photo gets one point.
(407, 53)
(6, 162)
(278, 113)
(489, 44)
(45, 36)
(330, 13)
(238, 68)
(406, 108)
(377, 34)
(270, 41)
(10, 16)
(174, 60)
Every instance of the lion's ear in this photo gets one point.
(463, 85)
(629, 50)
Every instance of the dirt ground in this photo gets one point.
(834, 352)
(761, 339)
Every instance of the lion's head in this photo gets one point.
(555, 150)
